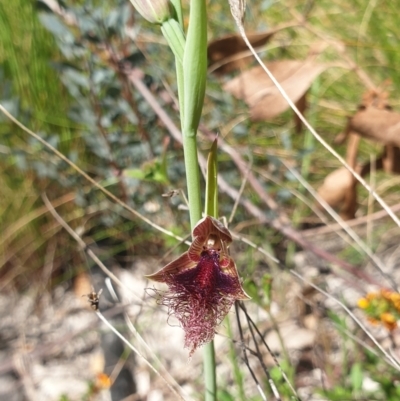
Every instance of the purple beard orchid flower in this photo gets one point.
(203, 283)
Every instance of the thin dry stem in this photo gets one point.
(246, 361)
(137, 352)
(252, 326)
(349, 231)
(132, 328)
(242, 186)
(79, 240)
(311, 232)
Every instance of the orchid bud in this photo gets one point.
(154, 11)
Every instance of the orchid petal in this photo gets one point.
(176, 266)
(209, 226)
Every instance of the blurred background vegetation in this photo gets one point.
(65, 81)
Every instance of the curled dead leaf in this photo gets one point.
(379, 125)
(224, 54)
(230, 52)
(376, 121)
(339, 191)
(260, 93)
(373, 120)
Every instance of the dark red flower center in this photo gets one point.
(200, 297)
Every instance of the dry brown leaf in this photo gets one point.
(373, 120)
(259, 92)
(225, 48)
(382, 126)
(339, 191)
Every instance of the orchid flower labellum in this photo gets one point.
(203, 283)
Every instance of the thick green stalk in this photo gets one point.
(210, 377)
(177, 6)
(191, 69)
(195, 67)
(192, 178)
(191, 78)
(194, 77)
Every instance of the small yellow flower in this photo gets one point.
(363, 303)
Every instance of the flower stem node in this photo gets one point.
(154, 11)
(203, 283)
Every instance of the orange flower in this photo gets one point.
(386, 293)
(395, 299)
(102, 381)
(203, 283)
(388, 320)
(372, 320)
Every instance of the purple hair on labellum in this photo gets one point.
(203, 283)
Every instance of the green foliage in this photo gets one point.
(387, 388)
(224, 395)
(260, 290)
(355, 373)
(279, 381)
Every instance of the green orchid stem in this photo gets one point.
(175, 37)
(177, 5)
(191, 71)
(211, 209)
(192, 178)
(209, 372)
(195, 67)
(173, 33)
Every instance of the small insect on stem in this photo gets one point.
(170, 194)
(93, 299)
